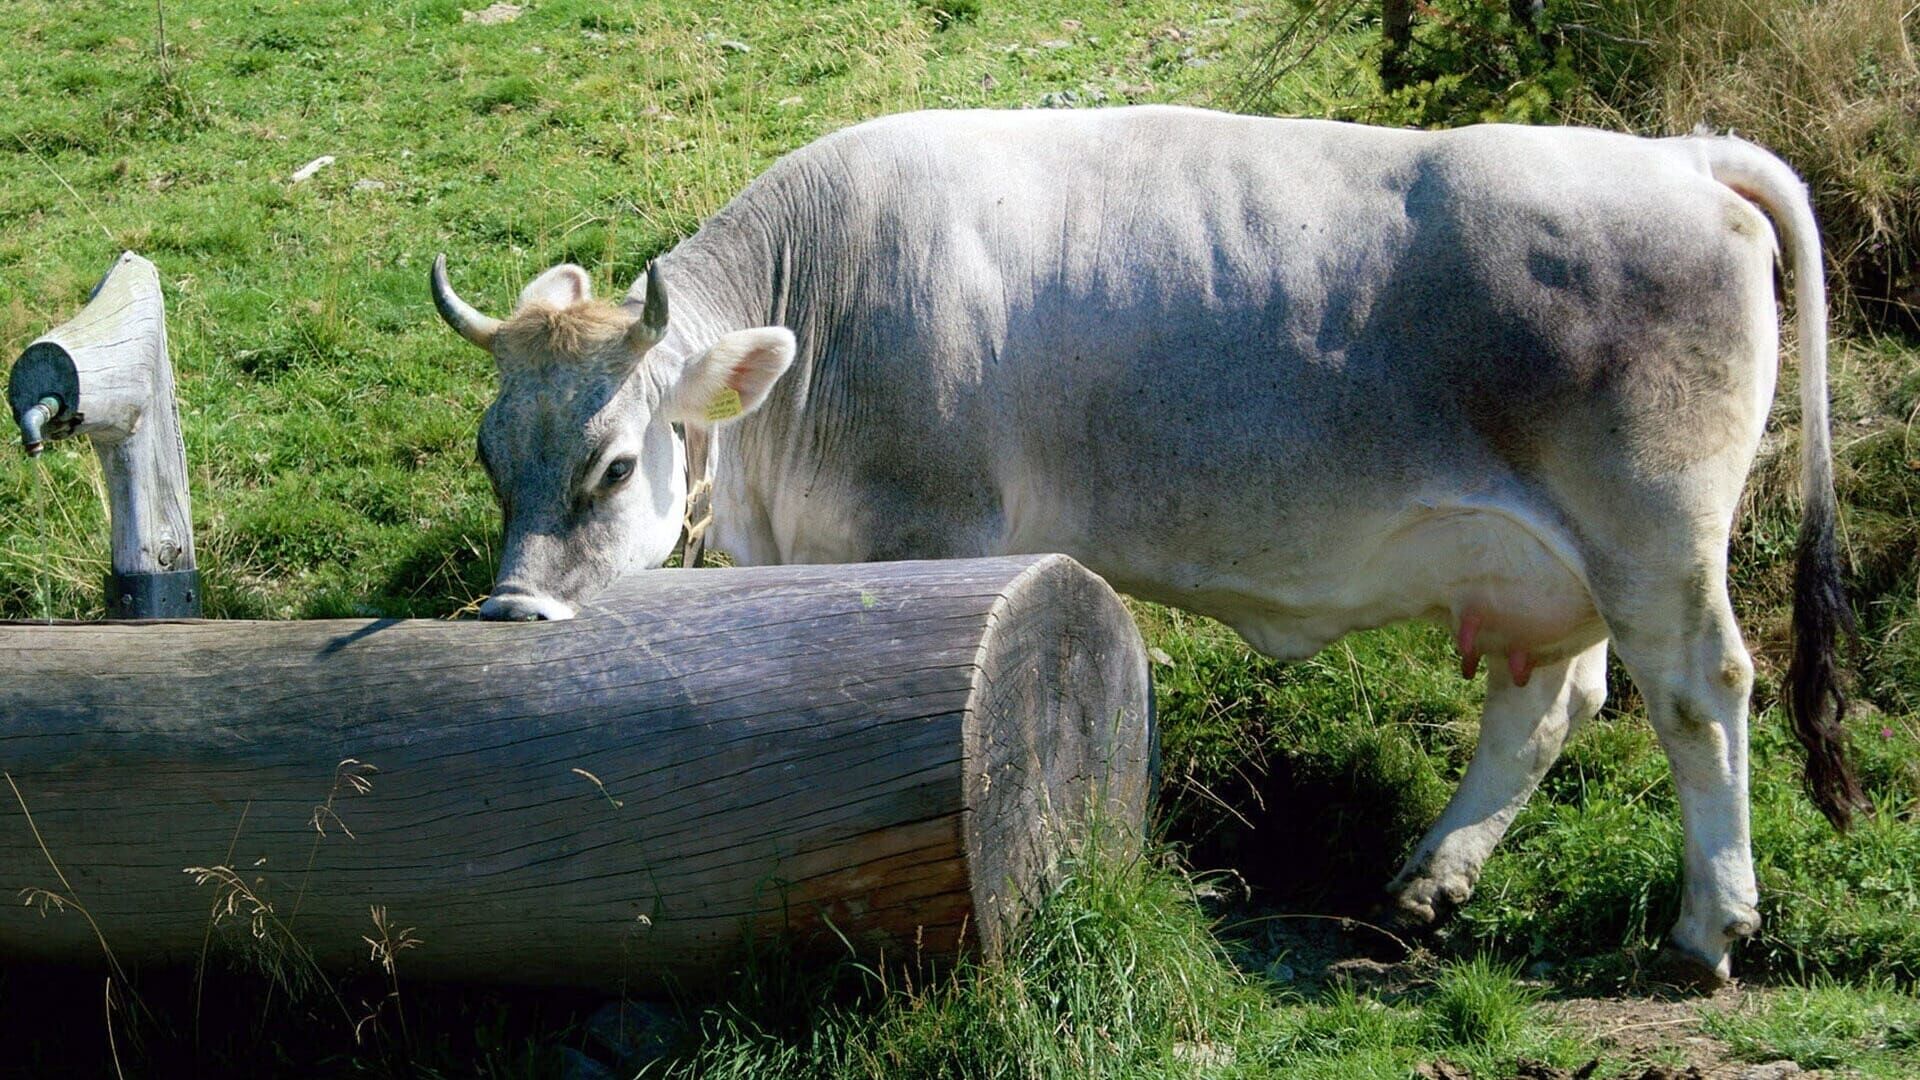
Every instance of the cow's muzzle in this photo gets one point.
(513, 605)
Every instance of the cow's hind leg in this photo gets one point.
(1522, 733)
(1680, 643)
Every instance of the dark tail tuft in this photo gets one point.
(1820, 616)
(1820, 611)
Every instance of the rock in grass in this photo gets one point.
(1204, 1055)
(575, 1065)
(635, 1032)
(493, 14)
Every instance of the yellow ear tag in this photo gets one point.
(725, 405)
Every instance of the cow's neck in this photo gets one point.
(724, 278)
(697, 518)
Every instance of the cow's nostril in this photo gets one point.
(507, 614)
(523, 607)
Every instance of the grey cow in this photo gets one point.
(1303, 377)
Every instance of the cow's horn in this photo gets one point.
(460, 315)
(649, 294)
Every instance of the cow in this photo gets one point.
(1300, 376)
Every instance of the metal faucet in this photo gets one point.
(33, 423)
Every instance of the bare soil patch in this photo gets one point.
(1657, 1030)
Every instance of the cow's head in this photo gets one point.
(579, 444)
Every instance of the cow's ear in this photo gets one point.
(732, 377)
(561, 287)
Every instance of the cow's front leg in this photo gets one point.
(1522, 733)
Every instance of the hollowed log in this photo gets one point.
(892, 756)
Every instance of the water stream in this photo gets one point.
(48, 496)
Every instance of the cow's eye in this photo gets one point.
(616, 472)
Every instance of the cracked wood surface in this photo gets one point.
(110, 367)
(897, 750)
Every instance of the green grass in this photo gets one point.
(329, 416)
(1115, 973)
(1478, 1003)
(1870, 1029)
(329, 420)
(1119, 975)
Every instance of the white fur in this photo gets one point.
(1522, 732)
(1303, 377)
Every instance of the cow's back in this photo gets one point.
(1161, 333)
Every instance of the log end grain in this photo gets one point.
(1061, 742)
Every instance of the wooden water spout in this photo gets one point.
(106, 375)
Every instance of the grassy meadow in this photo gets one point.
(329, 419)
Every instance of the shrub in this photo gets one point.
(1831, 86)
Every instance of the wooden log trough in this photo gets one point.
(893, 756)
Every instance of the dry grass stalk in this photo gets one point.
(1833, 87)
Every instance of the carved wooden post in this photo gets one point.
(106, 375)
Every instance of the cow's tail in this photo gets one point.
(1820, 610)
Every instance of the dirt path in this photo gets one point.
(1664, 1037)
(1644, 1031)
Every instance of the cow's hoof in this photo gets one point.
(1425, 902)
(1687, 970)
